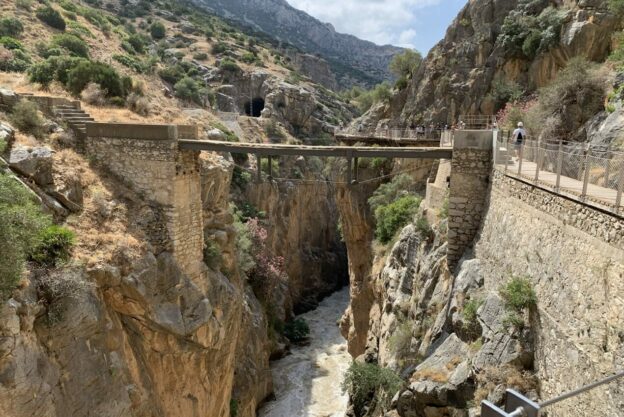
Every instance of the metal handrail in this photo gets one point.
(529, 407)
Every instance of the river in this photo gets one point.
(307, 382)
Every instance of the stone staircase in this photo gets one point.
(75, 117)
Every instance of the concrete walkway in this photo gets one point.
(596, 195)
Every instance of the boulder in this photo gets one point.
(7, 134)
(216, 134)
(34, 163)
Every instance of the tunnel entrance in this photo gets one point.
(254, 107)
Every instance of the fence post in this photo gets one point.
(559, 165)
(520, 159)
(538, 152)
(356, 170)
(349, 168)
(608, 166)
(585, 174)
(507, 156)
(618, 199)
(259, 168)
(270, 160)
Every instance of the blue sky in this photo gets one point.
(417, 24)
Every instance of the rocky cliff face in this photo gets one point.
(481, 53)
(352, 60)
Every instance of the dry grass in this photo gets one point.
(511, 377)
(435, 375)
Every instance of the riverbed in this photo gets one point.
(307, 382)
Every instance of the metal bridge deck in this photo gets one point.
(323, 151)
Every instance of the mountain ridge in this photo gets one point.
(354, 61)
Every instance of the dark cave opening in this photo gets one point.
(254, 107)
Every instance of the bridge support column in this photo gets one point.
(148, 160)
(471, 168)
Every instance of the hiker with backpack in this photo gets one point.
(519, 135)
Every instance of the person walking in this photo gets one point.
(519, 136)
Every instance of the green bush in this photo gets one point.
(130, 62)
(95, 72)
(370, 384)
(240, 177)
(401, 339)
(233, 408)
(63, 66)
(201, 56)
(13, 60)
(25, 116)
(297, 331)
(424, 228)
(172, 74)
(21, 223)
(400, 185)
(11, 43)
(394, 216)
(10, 26)
(42, 73)
(138, 43)
(249, 58)
(531, 44)
(54, 246)
(469, 315)
(72, 43)
(158, 31)
(518, 294)
(51, 17)
(228, 65)
(212, 254)
(617, 6)
(188, 89)
(219, 48)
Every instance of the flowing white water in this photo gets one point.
(307, 382)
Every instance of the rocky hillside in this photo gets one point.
(354, 61)
(497, 52)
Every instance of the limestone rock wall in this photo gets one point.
(574, 257)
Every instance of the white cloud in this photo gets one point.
(380, 21)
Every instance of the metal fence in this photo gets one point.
(397, 134)
(586, 172)
(476, 122)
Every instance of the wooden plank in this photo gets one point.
(322, 151)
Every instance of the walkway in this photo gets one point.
(323, 151)
(599, 196)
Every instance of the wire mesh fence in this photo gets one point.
(594, 173)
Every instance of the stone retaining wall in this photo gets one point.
(574, 256)
(470, 174)
(147, 159)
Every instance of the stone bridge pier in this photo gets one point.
(148, 160)
(471, 169)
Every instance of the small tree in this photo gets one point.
(369, 383)
(71, 43)
(51, 17)
(158, 31)
(42, 73)
(188, 89)
(25, 117)
(406, 64)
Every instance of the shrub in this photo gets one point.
(617, 6)
(138, 43)
(139, 104)
(95, 72)
(273, 131)
(506, 91)
(469, 315)
(51, 17)
(401, 339)
(21, 223)
(10, 43)
(240, 177)
(212, 254)
(13, 61)
(249, 58)
(518, 294)
(369, 383)
(71, 43)
(10, 26)
(172, 74)
(233, 408)
(394, 216)
(202, 56)
(404, 65)
(24, 4)
(297, 331)
(401, 84)
(424, 228)
(400, 185)
(188, 89)
(54, 246)
(25, 117)
(244, 243)
(228, 65)
(130, 62)
(42, 73)
(64, 65)
(531, 44)
(219, 48)
(93, 94)
(158, 31)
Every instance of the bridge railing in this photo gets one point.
(476, 122)
(586, 172)
(424, 134)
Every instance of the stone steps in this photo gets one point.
(76, 118)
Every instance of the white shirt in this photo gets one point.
(519, 132)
